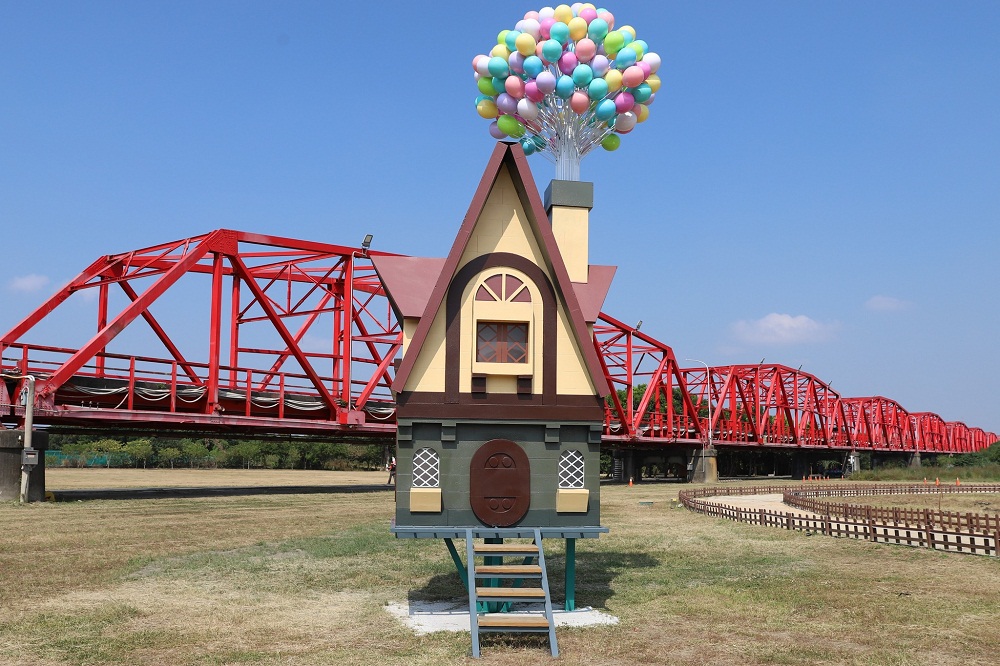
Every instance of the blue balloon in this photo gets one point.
(625, 58)
(498, 67)
(559, 32)
(565, 87)
(528, 145)
(498, 83)
(597, 30)
(539, 142)
(551, 50)
(510, 40)
(533, 66)
(597, 89)
(605, 109)
(583, 75)
(482, 98)
(642, 92)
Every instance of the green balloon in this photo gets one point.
(611, 142)
(613, 43)
(485, 85)
(510, 126)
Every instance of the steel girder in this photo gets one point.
(265, 356)
(648, 401)
(324, 360)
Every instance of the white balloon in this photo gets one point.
(527, 109)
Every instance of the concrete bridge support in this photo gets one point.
(915, 459)
(11, 446)
(704, 466)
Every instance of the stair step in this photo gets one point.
(510, 593)
(486, 571)
(513, 621)
(506, 549)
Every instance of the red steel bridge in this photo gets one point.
(297, 338)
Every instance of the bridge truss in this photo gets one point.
(297, 338)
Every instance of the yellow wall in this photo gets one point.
(503, 226)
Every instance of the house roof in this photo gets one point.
(511, 156)
(408, 281)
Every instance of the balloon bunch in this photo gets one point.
(564, 81)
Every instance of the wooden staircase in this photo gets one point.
(490, 597)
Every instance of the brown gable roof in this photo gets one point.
(592, 293)
(512, 156)
(408, 281)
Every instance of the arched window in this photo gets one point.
(571, 469)
(426, 468)
(503, 335)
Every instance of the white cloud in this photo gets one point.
(26, 284)
(783, 329)
(885, 304)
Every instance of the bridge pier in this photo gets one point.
(853, 463)
(704, 466)
(915, 459)
(804, 464)
(11, 446)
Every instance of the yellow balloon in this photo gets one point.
(643, 113)
(654, 82)
(628, 28)
(563, 14)
(525, 44)
(577, 28)
(588, 5)
(500, 51)
(613, 79)
(487, 109)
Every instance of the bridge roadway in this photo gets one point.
(258, 376)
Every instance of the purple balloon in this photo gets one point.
(546, 82)
(516, 62)
(496, 132)
(507, 104)
(600, 64)
(568, 62)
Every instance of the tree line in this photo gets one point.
(145, 452)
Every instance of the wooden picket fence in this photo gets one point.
(950, 531)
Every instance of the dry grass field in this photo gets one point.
(303, 580)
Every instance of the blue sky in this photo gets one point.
(818, 182)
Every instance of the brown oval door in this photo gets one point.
(500, 483)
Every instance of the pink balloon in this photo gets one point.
(568, 62)
(495, 131)
(609, 17)
(545, 27)
(532, 92)
(586, 49)
(514, 86)
(644, 66)
(633, 76)
(624, 102)
(546, 82)
(531, 15)
(588, 14)
(579, 102)
(538, 50)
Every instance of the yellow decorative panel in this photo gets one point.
(425, 500)
(572, 376)
(428, 371)
(572, 500)
(570, 227)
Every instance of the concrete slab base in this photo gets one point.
(427, 617)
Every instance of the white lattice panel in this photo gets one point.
(571, 469)
(426, 469)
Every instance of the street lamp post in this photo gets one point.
(708, 395)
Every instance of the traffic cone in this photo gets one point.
(925, 480)
(958, 481)
(630, 482)
(937, 481)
